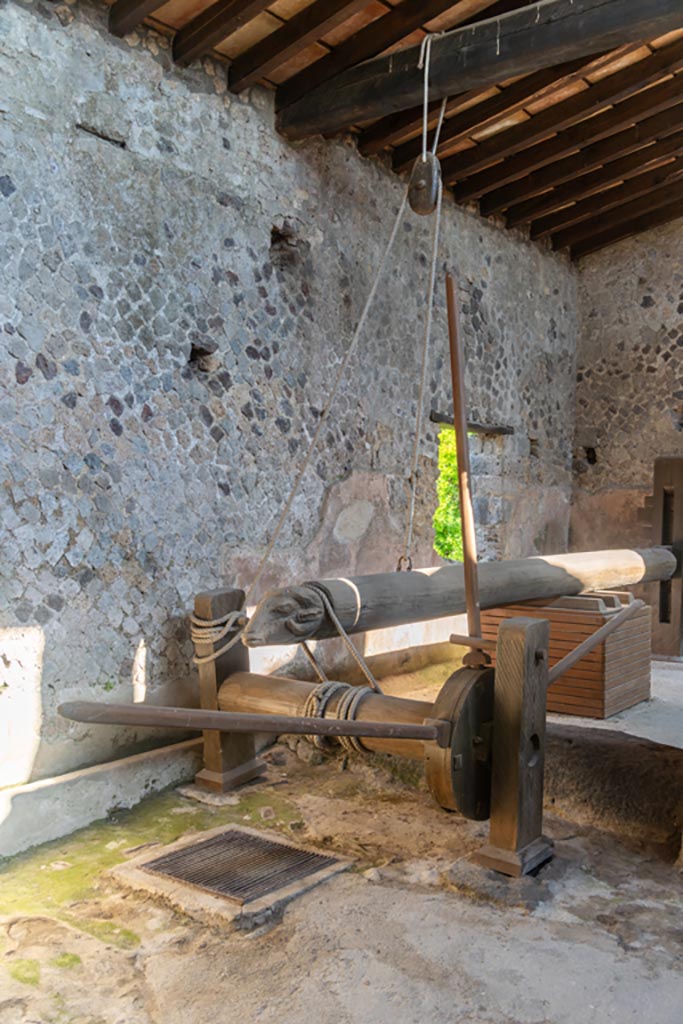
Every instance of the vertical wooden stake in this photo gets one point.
(516, 843)
(229, 758)
(476, 658)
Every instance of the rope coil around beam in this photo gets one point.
(351, 698)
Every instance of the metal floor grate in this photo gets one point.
(240, 865)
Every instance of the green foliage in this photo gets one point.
(66, 960)
(446, 521)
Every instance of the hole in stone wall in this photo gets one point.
(286, 244)
(203, 356)
(533, 447)
(591, 456)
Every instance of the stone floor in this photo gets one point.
(414, 932)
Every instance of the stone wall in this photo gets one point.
(629, 384)
(179, 285)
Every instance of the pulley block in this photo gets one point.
(423, 188)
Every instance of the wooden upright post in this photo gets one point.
(667, 522)
(516, 843)
(229, 758)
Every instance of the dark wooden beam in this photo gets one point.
(505, 102)
(595, 181)
(560, 120)
(376, 37)
(627, 228)
(612, 148)
(212, 26)
(397, 127)
(125, 15)
(548, 32)
(603, 222)
(446, 420)
(276, 49)
(602, 202)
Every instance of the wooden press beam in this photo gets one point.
(548, 32)
(212, 26)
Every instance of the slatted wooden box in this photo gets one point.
(613, 677)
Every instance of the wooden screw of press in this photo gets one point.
(229, 758)
(477, 658)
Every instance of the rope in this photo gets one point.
(406, 560)
(318, 701)
(215, 630)
(355, 654)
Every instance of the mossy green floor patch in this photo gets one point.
(25, 971)
(66, 961)
(53, 877)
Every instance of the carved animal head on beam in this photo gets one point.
(295, 612)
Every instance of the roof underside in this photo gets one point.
(585, 153)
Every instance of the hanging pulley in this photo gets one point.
(425, 180)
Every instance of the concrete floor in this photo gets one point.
(414, 932)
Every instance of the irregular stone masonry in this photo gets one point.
(179, 285)
(629, 383)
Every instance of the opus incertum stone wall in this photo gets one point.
(178, 287)
(629, 384)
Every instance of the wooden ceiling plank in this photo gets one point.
(609, 122)
(490, 51)
(309, 25)
(611, 148)
(585, 185)
(506, 102)
(126, 15)
(377, 37)
(601, 202)
(390, 130)
(627, 229)
(567, 124)
(213, 25)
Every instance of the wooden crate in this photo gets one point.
(613, 677)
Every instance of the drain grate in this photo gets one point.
(241, 865)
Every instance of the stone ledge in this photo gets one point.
(50, 808)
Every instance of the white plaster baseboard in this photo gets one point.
(50, 808)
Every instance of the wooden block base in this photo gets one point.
(516, 863)
(223, 782)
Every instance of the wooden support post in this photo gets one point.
(229, 758)
(516, 843)
(667, 528)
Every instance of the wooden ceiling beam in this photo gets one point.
(126, 15)
(546, 33)
(375, 38)
(212, 26)
(397, 127)
(627, 228)
(577, 215)
(308, 26)
(608, 199)
(611, 148)
(505, 102)
(601, 126)
(555, 199)
(561, 117)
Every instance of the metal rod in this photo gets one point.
(469, 539)
(592, 642)
(434, 730)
